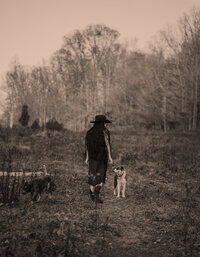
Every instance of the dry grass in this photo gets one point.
(159, 217)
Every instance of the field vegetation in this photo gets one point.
(158, 217)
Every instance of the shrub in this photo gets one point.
(54, 125)
(35, 125)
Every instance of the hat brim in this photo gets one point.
(102, 121)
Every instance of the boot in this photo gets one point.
(96, 194)
(92, 195)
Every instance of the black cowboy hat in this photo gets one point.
(100, 118)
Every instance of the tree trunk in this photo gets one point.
(164, 110)
(194, 115)
(11, 117)
(195, 96)
(44, 116)
(190, 116)
(45, 109)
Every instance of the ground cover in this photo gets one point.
(159, 217)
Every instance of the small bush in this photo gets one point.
(54, 125)
(35, 125)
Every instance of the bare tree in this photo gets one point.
(84, 63)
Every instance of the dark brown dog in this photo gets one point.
(37, 186)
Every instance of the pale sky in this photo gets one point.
(31, 30)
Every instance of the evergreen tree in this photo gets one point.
(24, 119)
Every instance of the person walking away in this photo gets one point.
(98, 153)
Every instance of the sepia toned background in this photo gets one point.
(62, 62)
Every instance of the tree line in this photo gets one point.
(94, 73)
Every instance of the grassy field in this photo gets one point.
(159, 217)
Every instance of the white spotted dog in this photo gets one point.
(120, 180)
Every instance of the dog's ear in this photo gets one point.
(121, 168)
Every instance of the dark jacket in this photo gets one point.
(95, 142)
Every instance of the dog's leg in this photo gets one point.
(118, 189)
(35, 197)
(50, 195)
(123, 190)
(115, 191)
(48, 186)
(38, 199)
(115, 185)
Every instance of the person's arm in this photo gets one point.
(86, 157)
(86, 152)
(108, 147)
